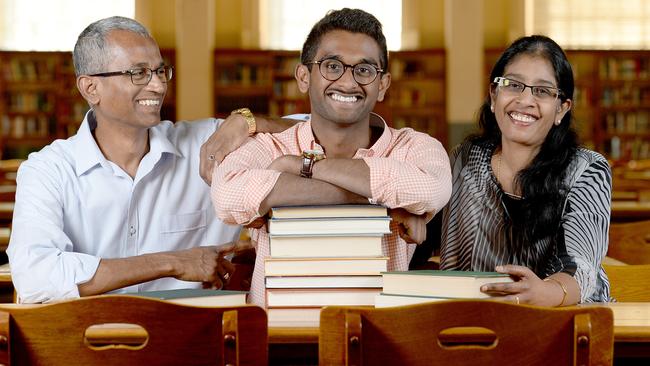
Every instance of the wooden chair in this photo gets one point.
(130, 330)
(630, 242)
(629, 283)
(466, 333)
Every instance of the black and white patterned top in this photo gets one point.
(477, 235)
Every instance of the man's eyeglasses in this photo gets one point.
(333, 69)
(142, 75)
(514, 87)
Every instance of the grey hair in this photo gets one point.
(90, 54)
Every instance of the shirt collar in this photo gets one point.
(88, 154)
(308, 141)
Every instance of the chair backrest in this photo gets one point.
(466, 332)
(630, 242)
(629, 283)
(164, 334)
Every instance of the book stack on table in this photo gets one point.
(323, 255)
(416, 287)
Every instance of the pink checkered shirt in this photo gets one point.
(408, 169)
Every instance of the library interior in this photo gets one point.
(229, 55)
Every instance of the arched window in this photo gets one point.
(36, 25)
(591, 24)
(284, 24)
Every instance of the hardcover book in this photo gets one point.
(326, 246)
(293, 212)
(197, 297)
(325, 266)
(454, 284)
(330, 226)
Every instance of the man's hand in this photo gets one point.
(232, 133)
(412, 228)
(207, 264)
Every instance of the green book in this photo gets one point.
(449, 284)
(197, 297)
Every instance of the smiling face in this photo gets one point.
(120, 102)
(343, 101)
(523, 118)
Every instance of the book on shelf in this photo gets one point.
(325, 266)
(315, 211)
(293, 317)
(326, 246)
(453, 284)
(324, 282)
(330, 226)
(383, 300)
(320, 297)
(197, 297)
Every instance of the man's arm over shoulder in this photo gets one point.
(234, 132)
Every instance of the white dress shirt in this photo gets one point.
(74, 207)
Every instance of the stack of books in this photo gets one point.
(323, 255)
(416, 287)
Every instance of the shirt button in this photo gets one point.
(132, 230)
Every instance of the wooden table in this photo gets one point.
(5, 233)
(6, 213)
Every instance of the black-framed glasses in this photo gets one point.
(333, 69)
(142, 75)
(514, 87)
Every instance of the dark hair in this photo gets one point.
(351, 20)
(542, 183)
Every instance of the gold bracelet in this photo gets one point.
(564, 291)
(250, 119)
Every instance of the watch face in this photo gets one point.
(313, 154)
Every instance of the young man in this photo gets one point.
(343, 68)
(121, 204)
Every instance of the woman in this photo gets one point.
(526, 199)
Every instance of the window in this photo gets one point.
(36, 25)
(591, 24)
(284, 24)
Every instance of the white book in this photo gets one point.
(293, 317)
(325, 266)
(324, 282)
(326, 246)
(320, 297)
(314, 211)
(330, 226)
(387, 300)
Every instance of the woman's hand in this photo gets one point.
(527, 288)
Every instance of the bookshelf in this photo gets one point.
(39, 100)
(416, 97)
(29, 87)
(242, 78)
(264, 81)
(611, 100)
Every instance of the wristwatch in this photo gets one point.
(309, 157)
(250, 119)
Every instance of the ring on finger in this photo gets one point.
(226, 276)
